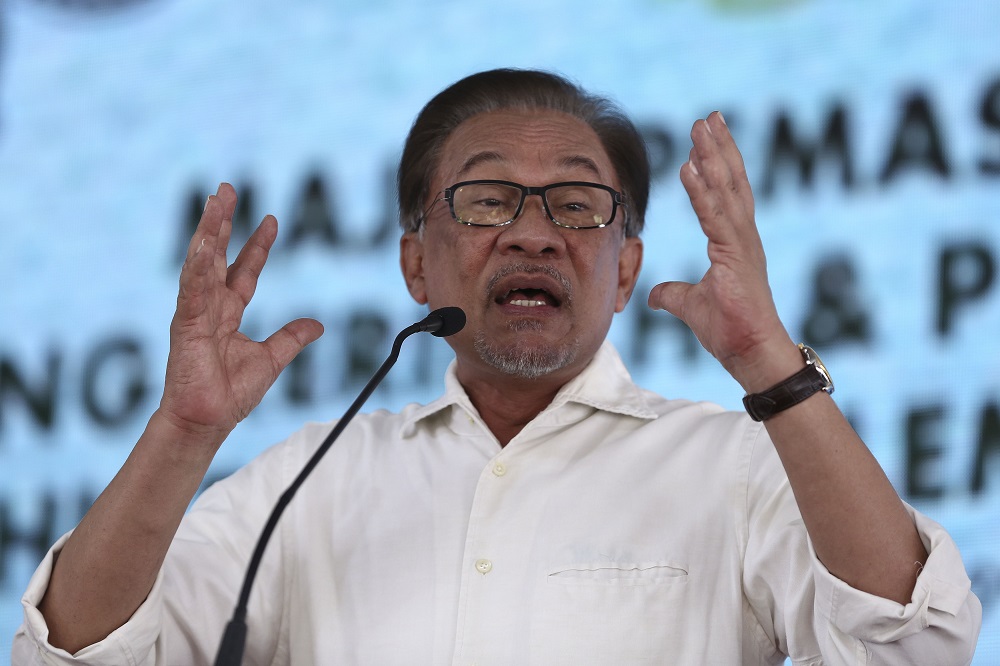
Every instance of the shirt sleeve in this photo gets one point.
(183, 617)
(940, 624)
(805, 612)
(31, 646)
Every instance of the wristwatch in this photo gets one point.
(810, 379)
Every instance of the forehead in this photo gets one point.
(524, 145)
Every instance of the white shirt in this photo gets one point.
(617, 527)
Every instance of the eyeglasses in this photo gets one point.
(495, 203)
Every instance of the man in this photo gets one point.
(545, 510)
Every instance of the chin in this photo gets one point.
(524, 360)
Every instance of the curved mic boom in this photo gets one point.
(442, 322)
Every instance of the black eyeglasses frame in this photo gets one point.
(617, 199)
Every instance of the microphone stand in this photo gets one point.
(442, 322)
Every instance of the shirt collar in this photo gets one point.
(604, 384)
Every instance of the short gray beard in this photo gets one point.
(515, 360)
(526, 363)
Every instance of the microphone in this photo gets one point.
(442, 323)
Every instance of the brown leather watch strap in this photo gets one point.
(762, 406)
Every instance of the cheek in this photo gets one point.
(599, 270)
(455, 267)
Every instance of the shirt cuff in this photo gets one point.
(942, 590)
(130, 644)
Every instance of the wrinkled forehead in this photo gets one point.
(533, 147)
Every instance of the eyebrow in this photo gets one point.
(480, 158)
(570, 162)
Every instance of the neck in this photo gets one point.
(506, 403)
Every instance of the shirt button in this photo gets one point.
(499, 469)
(484, 566)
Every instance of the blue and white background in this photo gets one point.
(871, 133)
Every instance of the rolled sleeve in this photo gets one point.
(131, 644)
(939, 625)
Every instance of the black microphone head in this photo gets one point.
(452, 321)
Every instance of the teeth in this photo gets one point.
(528, 304)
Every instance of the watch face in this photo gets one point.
(813, 358)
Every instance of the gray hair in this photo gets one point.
(526, 89)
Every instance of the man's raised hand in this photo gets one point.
(215, 374)
(730, 310)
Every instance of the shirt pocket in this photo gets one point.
(612, 613)
(627, 574)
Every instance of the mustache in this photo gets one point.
(525, 269)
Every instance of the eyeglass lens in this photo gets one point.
(492, 204)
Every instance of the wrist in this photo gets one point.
(186, 442)
(768, 365)
(797, 387)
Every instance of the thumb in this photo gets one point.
(670, 296)
(286, 343)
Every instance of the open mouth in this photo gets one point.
(530, 287)
(528, 298)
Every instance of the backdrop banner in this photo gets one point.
(871, 133)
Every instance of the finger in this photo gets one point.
(708, 180)
(730, 153)
(703, 200)
(715, 214)
(201, 250)
(691, 177)
(719, 161)
(670, 296)
(208, 227)
(711, 162)
(227, 197)
(286, 343)
(246, 270)
(726, 144)
(694, 161)
(710, 184)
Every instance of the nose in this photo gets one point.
(532, 234)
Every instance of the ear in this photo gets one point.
(411, 262)
(629, 263)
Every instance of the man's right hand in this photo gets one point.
(215, 374)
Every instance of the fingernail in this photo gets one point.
(693, 167)
(200, 246)
(207, 201)
(722, 118)
(708, 126)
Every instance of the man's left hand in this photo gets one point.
(730, 310)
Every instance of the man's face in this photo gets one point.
(538, 298)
